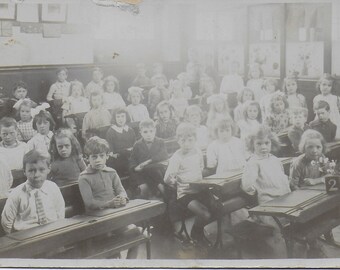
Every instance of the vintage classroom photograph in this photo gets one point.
(169, 133)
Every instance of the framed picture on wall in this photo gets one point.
(53, 12)
(227, 54)
(7, 11)
(267, 55)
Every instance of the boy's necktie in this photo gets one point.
(40, 208)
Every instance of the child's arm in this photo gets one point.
(133, 161)
(172, 171)
(212, 158)
(295, 175)
(59, 202)
(81, 163)
(85, 125)
(51, 92)
(314, 181)
(118, 187)
(9, 214)
(250, 174)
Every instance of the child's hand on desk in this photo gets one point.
(311, 182)
(115, 202)
(139, 168)
(123, 201)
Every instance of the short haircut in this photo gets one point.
(261, 133)
(311, 134)
(190, 109)
(147, 123)
(120, 110)
(19, 84)
(33, 156)
(325, 76)
(252, 103)
(95, 94)
(185, 130)
(113, 79)
(135, 90)
(8, 122)
(77, 83)
(321, 104)
(223, 124)
(277, 97)
(241, 94)
(62, 69)
(43, 116)
(298, 111)
(96, 145)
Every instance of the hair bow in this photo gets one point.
(19, 102)
(39, 108)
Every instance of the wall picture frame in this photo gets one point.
(7, 11)
(53, 12)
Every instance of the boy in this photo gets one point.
(144, 161)
(100, 186)
(37, 201)
(323, 124)
(298, 118)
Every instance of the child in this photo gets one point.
(252, 119)
(121, 139)
(25, 124)
(187, 93)
(227, 152)
(6, 178)
(10, 148)
(157, 69)
(98, 116)
(112, 98)
(138, 112)
(166, 123)
(100, 186)
(290, 88)
(193, 115)
(232, 84)
(141, 79)
(278, 119)
(178, 101)
(323, 124)
(264, 177)
(96, 85)
(37, 201)
(208, 88)
(246, 94)
(67, 161)
(325, 85)
(76, 103)
(270, 87)
(61, 88)
(298, 116)
(186, 166)
(157, 93)
(255, 81)
(44, 124)
(218, 109)
(146, 153)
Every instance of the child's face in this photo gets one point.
(9, 135)
(291, 87)
(278, 106)
(299, 120)
(164, 113)
(270, 88)
(247, 95)
(43, 127)
(135, 98)
(313, 149)
(194, 118)
(97, 76)
(36, 173)
(96, 101)
(62, 76)
(262, 147)
(76, 91)
(322, 114)
(255, 73)
(98, 161)
(110, 87)
(20, 93)
(121, 119)
(187, 144)
(219, 106)
(325, 87)
(224, 134)
(148, 134)
(64, 147)
(25, 113)
(252, 112)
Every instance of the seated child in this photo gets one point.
(100, 186)
(167, 122)
(138, 111)
(96, 85)
(177, 101)
(207, 89)
(157, 94)
(278, 118)
(25, 124)
(252, 119)
(270, 87)
(218, 110)
(6, 178)
(290, 88)
(67, 160)
(37, 201)
(246, 94)
(323, 123)
(61, 88)
(141, 79)
(255, 81)
(186, 166)
(298, 118)
(111, 96)
(146, 172)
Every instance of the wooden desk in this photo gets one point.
(36, 241)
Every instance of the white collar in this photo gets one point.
(120, 129)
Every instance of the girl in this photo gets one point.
(76, 103)
(193, 115)
(278, 119)
(325, 86)
(252, 119)
(97, 82)
(121, 139)
(112, 98)
(187, 93)
(166, 123)
(246, 94)
(138, 112)
(227, 152)
(218, 109)
(67, 162)
(270, 87)
(290, 89)
(263, 177)
(61, 88)
(158, 93)
(25, 124)
(255, 81)
(44, 124)
(98, 116)
(178, 101)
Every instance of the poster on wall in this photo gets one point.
(306, 59)
(267, 55)
(227, 54)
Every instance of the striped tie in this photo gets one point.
(40, 209)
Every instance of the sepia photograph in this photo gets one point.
(169, 133)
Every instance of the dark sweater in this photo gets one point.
(119, 142)
(327, 129)
(67, 169)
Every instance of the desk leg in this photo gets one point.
(219, 242)
(287, 236)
